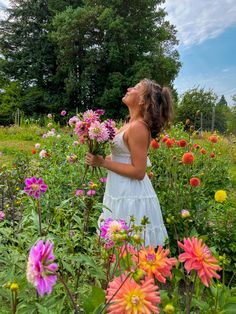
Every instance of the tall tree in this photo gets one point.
(29, 55)
(107, 46)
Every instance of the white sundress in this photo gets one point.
(127, 197)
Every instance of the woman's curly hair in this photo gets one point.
(157, 110)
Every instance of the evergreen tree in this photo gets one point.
(107, 46)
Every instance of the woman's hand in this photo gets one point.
(94, 160)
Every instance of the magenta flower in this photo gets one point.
(100, 112)
(91, 192)
(63, 113)
(41, 271)
(103, 180)
(98, 131)
(110, 126)
(79, 192)
(2, 215)
(111, 227)
(90, 116)
(35, 187)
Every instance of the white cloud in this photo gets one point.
(3, 5)
(197, 21)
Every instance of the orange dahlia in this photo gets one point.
(154, 144)
(198, 256)
(188, 158)
(156, 263)
(213, 139)
(132, 298)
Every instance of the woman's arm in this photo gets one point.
(137, 140)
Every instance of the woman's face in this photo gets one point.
(133, 95)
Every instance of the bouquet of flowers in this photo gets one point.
(92, 131)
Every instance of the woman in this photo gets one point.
(129, 191)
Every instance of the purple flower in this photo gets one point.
(90, 116)
(110, 126)
(63, 113)
(2, 215)
(103, 180)
(111, 227)
(91, 192)
(98, 131)
(40, 267)
(79, 192)
(73, 120)
(35, 187)
(100, 112)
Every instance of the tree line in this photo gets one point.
(68, 54)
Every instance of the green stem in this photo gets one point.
(109, 301)
(40, 218)
(69, 294)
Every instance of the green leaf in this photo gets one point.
(96, 297)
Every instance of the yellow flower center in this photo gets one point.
(135, 300)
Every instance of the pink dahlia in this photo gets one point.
(111, 227)
(40, 267)
(198, 256)
(81, 128)
(90, 116)
(129, 297)
(35, 187)
(98, 131)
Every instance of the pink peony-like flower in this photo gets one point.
(198, 256)
(63, 113)
(90, 116)
(40, 267)
(73, 120)
(112, 227)
(2, 215)
(129, 297)
(91, 192)
(98, 131)
(34, 187)
(49, 116)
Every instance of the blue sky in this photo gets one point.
(207, 43)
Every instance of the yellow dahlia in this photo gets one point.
(220, 196)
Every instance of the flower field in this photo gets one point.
(54, 258)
